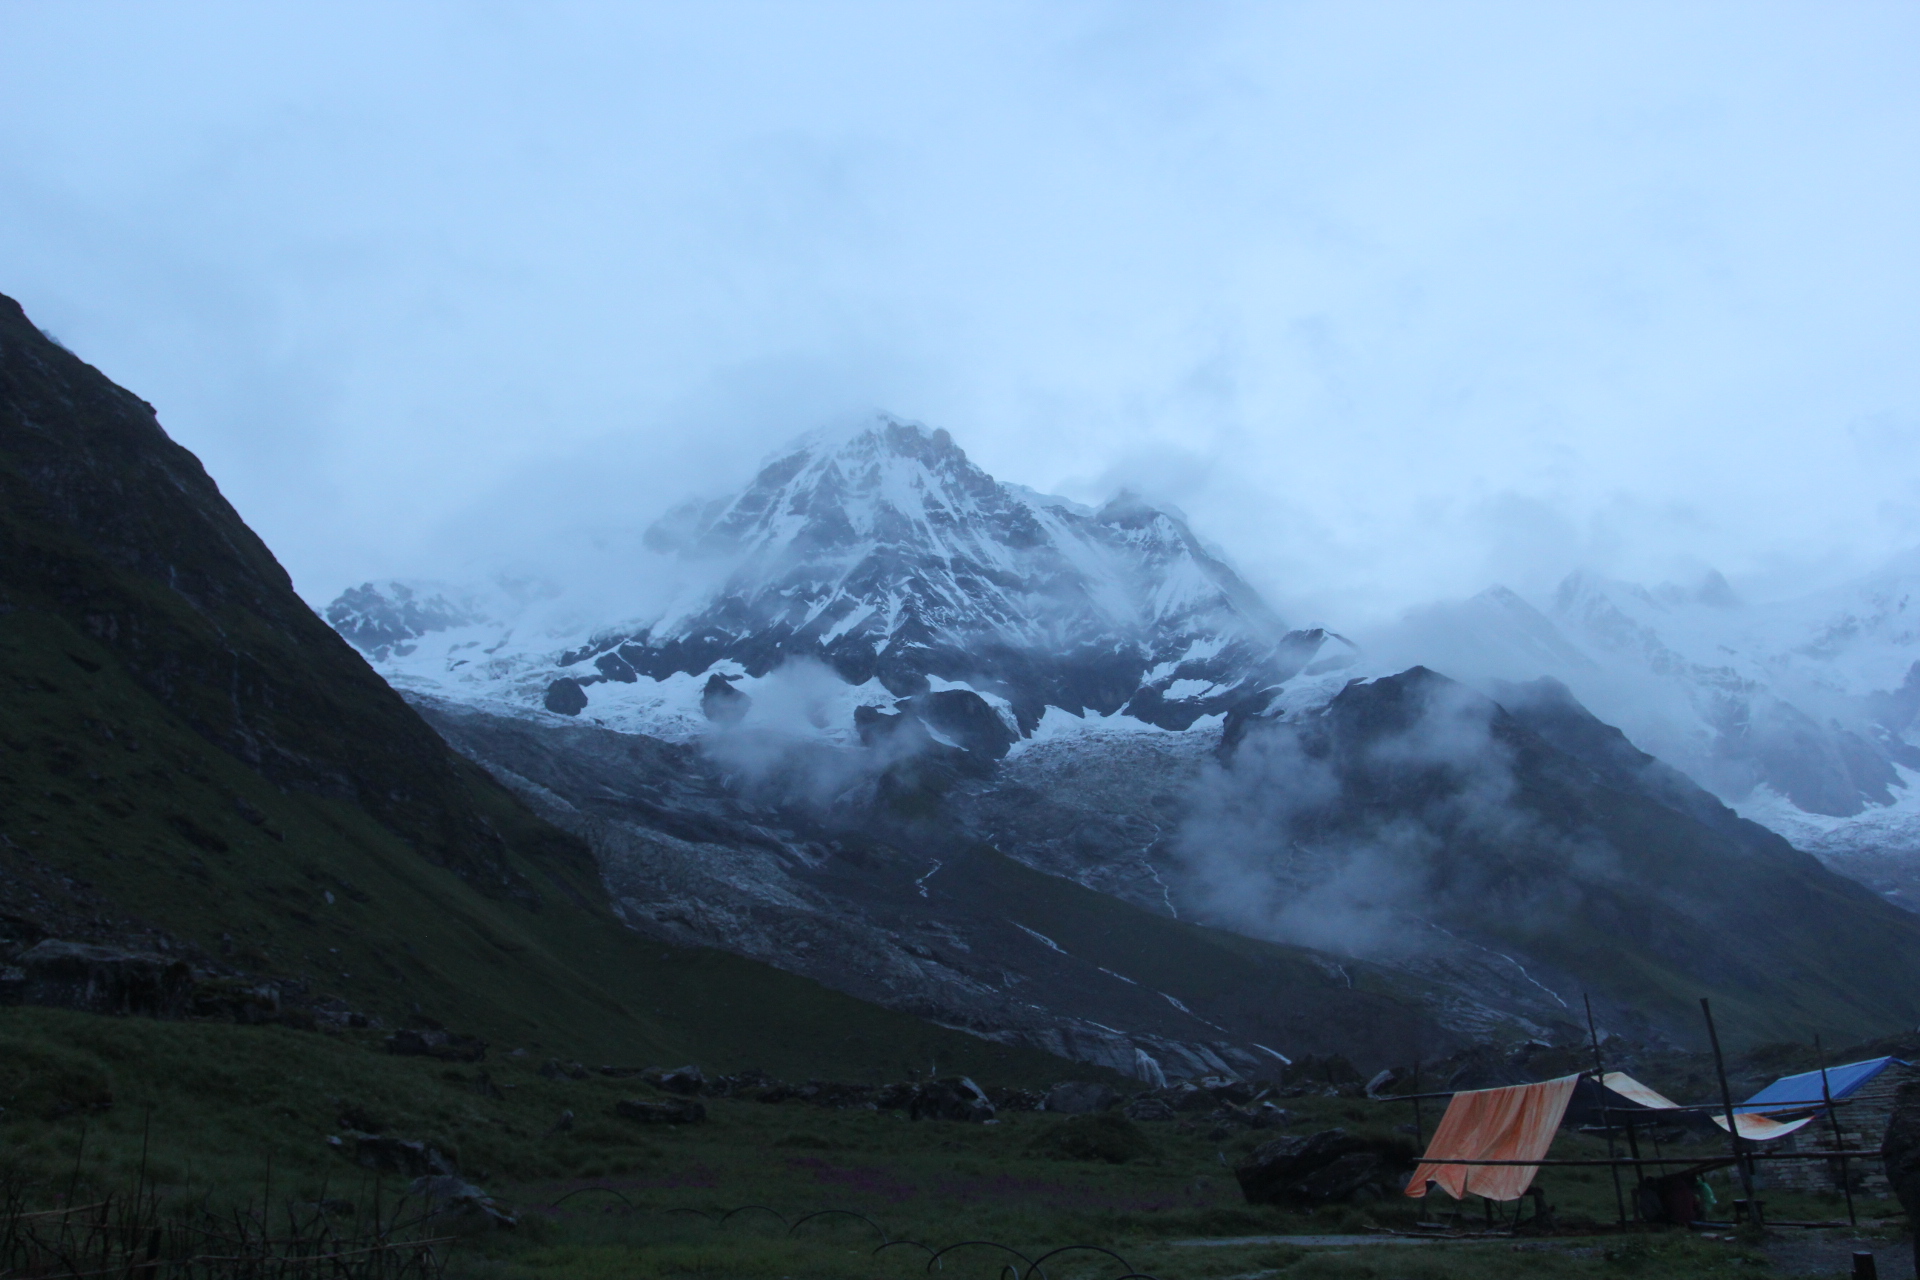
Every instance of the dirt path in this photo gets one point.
(1819, 1253)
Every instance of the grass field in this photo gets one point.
(209, 1109)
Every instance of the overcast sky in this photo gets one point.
(1394, 300)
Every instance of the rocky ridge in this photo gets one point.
(1798, 712)
(922, 917)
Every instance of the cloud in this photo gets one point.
(1352, 832)
(1390, 300)
(788, 744)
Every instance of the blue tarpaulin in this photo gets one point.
(1796, 1093)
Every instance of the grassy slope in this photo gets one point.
(1367, 1012)
(207, 1107)
(1794, 949)
(159, 681)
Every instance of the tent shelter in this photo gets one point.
(1623, 1097)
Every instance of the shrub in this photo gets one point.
(1104, 1135)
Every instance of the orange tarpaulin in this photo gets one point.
(1516, 1123)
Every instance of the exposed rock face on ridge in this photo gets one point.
(887, 556)
(379, 622)
(919, 917)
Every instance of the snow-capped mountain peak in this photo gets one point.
(884, 553)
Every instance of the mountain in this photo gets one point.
(1796, 712)
(886, 556)
(199, 777)
(900, 705)
(1522, 823)
(1784, 692)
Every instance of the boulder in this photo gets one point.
(686, 1081)
(745, 1085)
(95, 979)
(298, 1019)
(666, 1111)
(235, 999)
(1188, 1096)
(450, 1197)
(392, 1155)
(1900, 1147)
(721, 703)
(1384, 1081)
(895, 1097)
(554, 1069)
(956, 1098)
(1078, 1097)
(832, 1093)
(1010, 1099)
(964, 718)
(444, 1045)
(1341, 1179)
(566, 697)
(1149, 1106)
(1329, 1076)
(1309, 1168)
(1226, 1089)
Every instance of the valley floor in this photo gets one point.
(234, 1117)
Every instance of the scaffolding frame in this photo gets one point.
(1741, 1155)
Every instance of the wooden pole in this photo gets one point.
(1733, 1130)
(1600, 1081)
(1846, 1183)
(1419, 1125)
(1633, 1149)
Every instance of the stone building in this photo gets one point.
(1865, 1092)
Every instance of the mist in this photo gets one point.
(1269, 849)
(1401, 824)
(1394, 301)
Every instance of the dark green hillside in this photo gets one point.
(189, 757)
(111, 526)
